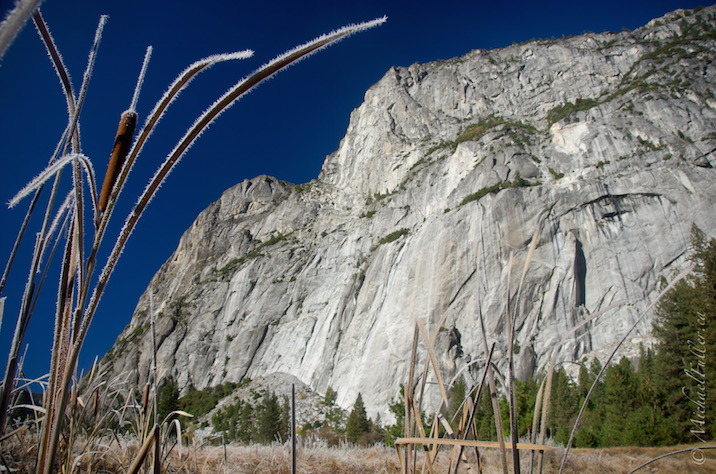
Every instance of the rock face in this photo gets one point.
(605, 142)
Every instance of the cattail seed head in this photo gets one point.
(122, 142)
(145, 399)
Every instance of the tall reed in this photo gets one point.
(81, 285)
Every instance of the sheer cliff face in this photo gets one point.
(442, 179)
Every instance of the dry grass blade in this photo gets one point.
(436, 331)
(673, 453)
(18, 239)
(40, 179)
(176, 413)
(177, 430)
(451, 434)
(79, 227)
(668, 288)
(16, 432)
(535, 420)
(545, 404)
(467, 443)
(434, 361)
(514, 429)
(408, 394)
(421, 430)
(473, 409)
(140, 80)
(493, 398)
(142, 454)
(56, 229)
(26, 305)
(594, 316)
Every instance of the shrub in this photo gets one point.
(555, 174)
(393, 236)
(561, 111)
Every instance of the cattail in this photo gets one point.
(122, 142)
(145, 399)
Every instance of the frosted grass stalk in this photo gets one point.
(58, 215)
(14, 22)
(49, 172)
(140, 80)
(154, 356)
(56, 59)
(74, 117)
(49, 259)
(79, 227)
(39, 180)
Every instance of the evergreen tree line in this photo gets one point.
(267, 420)
(263, 421)
(668, 398)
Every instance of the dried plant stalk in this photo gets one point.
(473, 410)
(466, 443)
(142, 454)
(535, 421)
(493, 398)
(122, 142)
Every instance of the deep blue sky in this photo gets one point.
(285, 128)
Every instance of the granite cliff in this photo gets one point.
(443, 175)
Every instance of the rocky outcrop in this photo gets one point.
(605, 142)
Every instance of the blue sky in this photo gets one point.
(285, 128)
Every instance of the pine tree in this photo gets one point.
(168, 398)
(686, 331)
(485, 417)
(620, 400)
(358, 423)
(589, 432)
(456, 397)
(397, 408)
(330, 397)
(284, 431)
(244, 432)
(268, 425)
(526, 395)
(563, 406)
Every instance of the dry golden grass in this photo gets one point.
(318, 458)
(321, 459)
